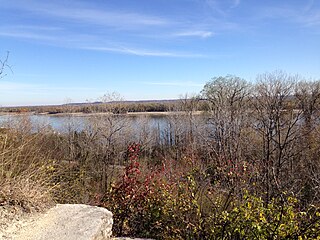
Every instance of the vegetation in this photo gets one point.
(112, 106)
(246, 169)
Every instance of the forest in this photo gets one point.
(247, 167)
(111, 103)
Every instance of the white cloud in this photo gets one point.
(312, 19)
(75, 25)
(215, 6)
(144, 52)
(196, 33)
(89, 42)
(26, 35)
(304, 15)
(18, 86)
(222, 7)
(176, 84)
(236, 3)
(87, 14)
(12, 86)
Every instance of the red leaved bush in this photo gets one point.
(133, 200)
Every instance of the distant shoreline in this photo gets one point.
(82, 114)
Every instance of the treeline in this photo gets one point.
(249, 168)
(116, 107)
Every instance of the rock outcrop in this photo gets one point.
(69, 222)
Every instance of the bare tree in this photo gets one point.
(308, 97)
(112, 136)
(189, 104)
(228, 108)
(113, 102)
(3, 65)
(276, 122)
(96, 145)
(227, 97)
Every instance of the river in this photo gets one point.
(60, 123)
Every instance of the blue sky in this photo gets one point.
(73, 50)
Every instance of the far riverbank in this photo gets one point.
(83, 114)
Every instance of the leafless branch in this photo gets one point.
(3, 65)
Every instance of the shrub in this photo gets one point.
(184, 205)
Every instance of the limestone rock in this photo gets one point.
(70, 222)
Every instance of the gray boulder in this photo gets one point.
(70, 222)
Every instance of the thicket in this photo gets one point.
(246, 169)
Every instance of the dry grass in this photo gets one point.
(26, 193)
(25, 171)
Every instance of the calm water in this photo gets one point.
(62, 123)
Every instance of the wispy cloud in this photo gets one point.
(304, 15)
(89, 15)
(215, 6)
(81, 25)
(195, 33)
(115, 19)
(26, 35)
(40, 94)
(236, 3)
(144, 52)
(89, 42)
(309, 5)
(81, 15)
(12, 86)
(175, 84)
(312, 19)
(55, 37)
(18, 86)
(33, 32)
(222, 7)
